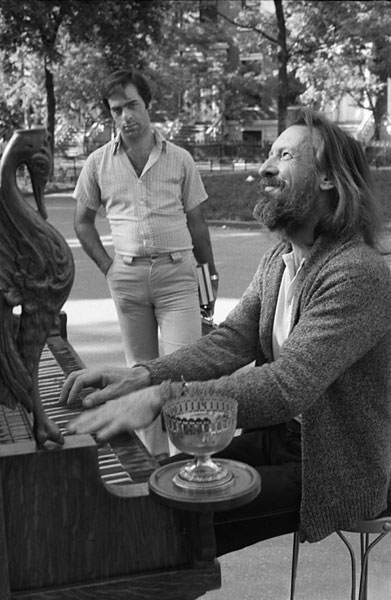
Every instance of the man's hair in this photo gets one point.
(355, 207)
(117, 82)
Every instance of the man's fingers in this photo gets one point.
(107, 432)
(101, 396)
(76, 382)
(89, 422)
(98, 421)
(127, 413)
(113, 382)
(70, 388)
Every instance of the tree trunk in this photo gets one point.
(51, 104)
(379, 110)
(283, 92)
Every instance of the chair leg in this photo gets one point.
(364, 562)
(295, 559)
(352, 562)
(364, 543)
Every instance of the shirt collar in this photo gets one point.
(160, 141)
(294, 261)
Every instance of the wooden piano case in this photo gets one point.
(65, 534)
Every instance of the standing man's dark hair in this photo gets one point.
(117, 82)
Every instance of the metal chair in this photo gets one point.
(380, 526)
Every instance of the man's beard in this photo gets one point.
(287, 211)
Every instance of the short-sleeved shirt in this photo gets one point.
(147, 213)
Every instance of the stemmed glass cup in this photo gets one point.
(201, 427)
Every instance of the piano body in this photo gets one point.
(77, 522)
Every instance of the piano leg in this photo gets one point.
(5, 593)
(203, 533)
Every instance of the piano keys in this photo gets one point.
(78, 521)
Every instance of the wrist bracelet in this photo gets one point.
(214, 277)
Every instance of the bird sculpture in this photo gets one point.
(36, 277)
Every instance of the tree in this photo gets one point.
(120, 28)
(77, 84)
(348, 52)
(271, 31)
(21, 84)
(33, 26)
(197, 71)
(188, 68)
(325, 49)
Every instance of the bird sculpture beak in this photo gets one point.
(38, 190)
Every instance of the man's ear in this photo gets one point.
(325, 182)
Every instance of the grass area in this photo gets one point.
(232, 196)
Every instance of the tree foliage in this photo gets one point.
(324, 50)
(270, 39)
(56, 52)
(118, 28)
(347, 52)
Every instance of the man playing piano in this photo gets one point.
(315, 409)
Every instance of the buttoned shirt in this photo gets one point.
(147, 213)
(283, 316)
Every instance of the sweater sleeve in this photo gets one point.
(343, 315)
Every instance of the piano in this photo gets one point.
(77, 522)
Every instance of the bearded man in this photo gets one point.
(315, 409)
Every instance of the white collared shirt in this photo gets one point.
(283, 316)
(286, 295)
(147, 213)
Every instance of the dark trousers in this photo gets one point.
(275, 452)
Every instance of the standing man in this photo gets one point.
(316, 319)
(152, 194)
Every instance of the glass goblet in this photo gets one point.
(201, 427)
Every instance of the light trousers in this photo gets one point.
(158, 309)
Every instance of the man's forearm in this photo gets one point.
(202, 247)
(93, 247)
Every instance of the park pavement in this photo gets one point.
(261, 571)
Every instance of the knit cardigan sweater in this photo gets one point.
(334, 369)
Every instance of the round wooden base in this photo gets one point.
(244, 487)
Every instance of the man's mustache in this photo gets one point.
(270, 181)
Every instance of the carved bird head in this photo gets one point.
(30, 147)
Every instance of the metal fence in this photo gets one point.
(226, 152)
(208, 157)
(379, 154)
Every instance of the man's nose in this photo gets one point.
(269, 167)
(126, 113)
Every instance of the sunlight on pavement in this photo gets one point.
(106, 240)
(98, 312)
(223, 307)
(90, 312)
